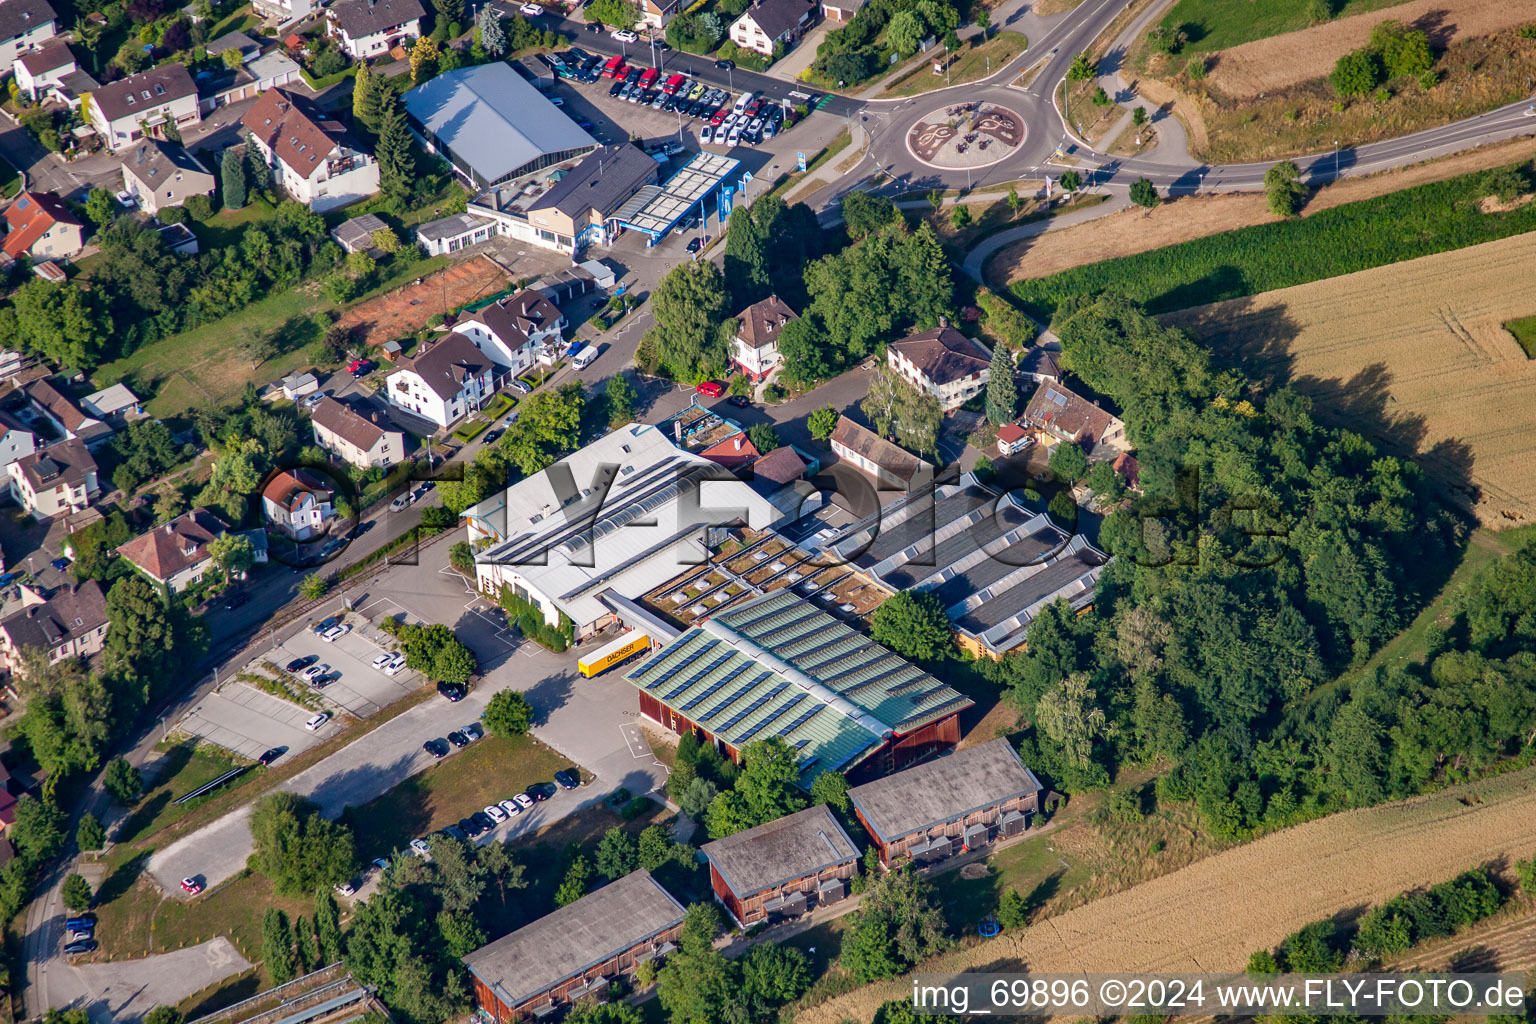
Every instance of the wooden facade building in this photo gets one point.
(783, 868)
(575, 951)
(967, 800)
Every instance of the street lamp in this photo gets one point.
(1335, 159)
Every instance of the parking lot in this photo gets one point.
(243, 719)
(354, 684)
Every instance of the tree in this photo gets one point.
(449, 12)
(328, 927)
(508, 713)
(897, 409)
(89, 834)
(696, 797)
(1069, 716)
(122, 780)
(822, 422)
(38, 831)
(100, 207)
(984, 22)
(298, 849)
(304, 952)
(1105, 482)
(168, 1014)
(233, 178)
(232, 553)
(493, 36)
(1070, 181)
(424, 57)
(1506, 184)
(435, 651)
(277, 946)
(149, 640)
(655, 847)
(897, 925)
(367, 103)
(617, 854)
(1139, 116)
(1002, 388)
(913, 624)
(1404, 51)
(1283, 187)
(315, 585)
(864, 213)
(767, 789)
(618, 13)
(905, 31)
(690, 305)
(1068, 462)
(763, 437)
(76, 892)
(746, 257)
(1144, 193)
(1357, 72)
(1012, 911)
(578, 879)
(960, 217)
(589, 1012)
(397, 161)
(1083, 69)
(831, 788)
(620, 394)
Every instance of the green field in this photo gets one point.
(1217, 24)
(1419, 221)
(187, 766)
(1524, 330)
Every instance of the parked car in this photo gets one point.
(523, 801)
(80, 922)
(85, 931)
(739, 401)
(316, 671)
(711, 388)
(402, 503)
(381, 660)
(363, 369)
(314, 399)
(520, 387)
(491, 436)
(421, 846)
(438, 748)
(80, 948)
(298, 663)
(624, 35)
(495, 813)
(325, 624)
(271, 754)
(314, 724)
(470, 827)
(707, 135)
(725, 65)
(394, 665)
(593, 26)
(191, 886)
(484, 820)
(335, 633)
(381, 863)
(540, 791)
(235, 600)
(458, 739)
(530, 10)
(511, 807)
(346, 888)
(568, 778)
(473, 731)
(453, 691)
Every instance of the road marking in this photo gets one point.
(636, 741)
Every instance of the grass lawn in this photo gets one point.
(1217, 24)
(1524, 330)
(493, 768)
(10, 179)
(188, 766)
(239, 21)
(971, 64)
(224, 228)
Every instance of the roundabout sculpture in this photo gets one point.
(970, 135)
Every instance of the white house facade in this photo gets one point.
(443, 383)
(143, 105)
(367, 28)
(311, 156)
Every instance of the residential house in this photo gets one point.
(656, 13)
(69, 623)
(942, 363)
(311, 156)
(65, 416)
(841, 10)
(283, 12)
(58, 479)
(1012, 439)
(965, 801)
(143, 104)
(47, 66)
(25, 25)
(1056, 414)
(770, 22)
(176, 554)
(450, 234)
(576, 210)
(1129, 469)
(890, 464)
(575, 951)
(356, 235)
(16, 439)
(1040, 363)
(361, 440)
(223, 86)
(443, 381)
(783, 868)
(249, 48)
(512, 331)
(114, 406)
(297, 503)
(367, 28)
(755, 350)
(40, 226)
(734, 452)
(160, 174)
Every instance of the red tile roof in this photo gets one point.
(30, 217)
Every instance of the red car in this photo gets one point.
(711, 389)
(191, 886)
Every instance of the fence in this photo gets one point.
(330, 981)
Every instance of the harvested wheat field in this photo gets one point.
(1135, 230)
(1211, 915)
(1419, 345)
(1267, 65)
(408, 309)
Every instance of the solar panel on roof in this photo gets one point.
(745, 689)
(759, 702)
(768, 720)
(805, 716)
(716, 686)
(682, 664)
(682, 687)
(1056, 396)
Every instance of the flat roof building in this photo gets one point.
(576, 950)
(964, 801)
(782, 868)
(781, 666)
(625, 513)
(492, 125)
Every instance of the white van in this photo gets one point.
(585, 358)
(744, 100)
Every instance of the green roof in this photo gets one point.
(780, 666)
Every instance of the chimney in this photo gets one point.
(738, 442)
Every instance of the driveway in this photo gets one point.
(128, 989)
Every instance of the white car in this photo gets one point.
(394, 665)
(346, 889)
(734, 137)
(421, 848)
(624, 35)
(314, 724)
(316, 671)
(524, 800)
(512, 807)
(530, 10)
(126, 200)
(382, 660)
(706, 135)
(335, 633)
(744, 100)
(495, 812)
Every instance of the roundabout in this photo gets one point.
(966, 136)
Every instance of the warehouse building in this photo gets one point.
(783, 868)
(575, 951)
(492, 125)
(965, 801)
(780, 666)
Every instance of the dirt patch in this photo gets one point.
(1420, 346)
(1135, 231)
(1046, 8)
(1266, 65)
(406, 310)
(1491, 204)
(1210, 915)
